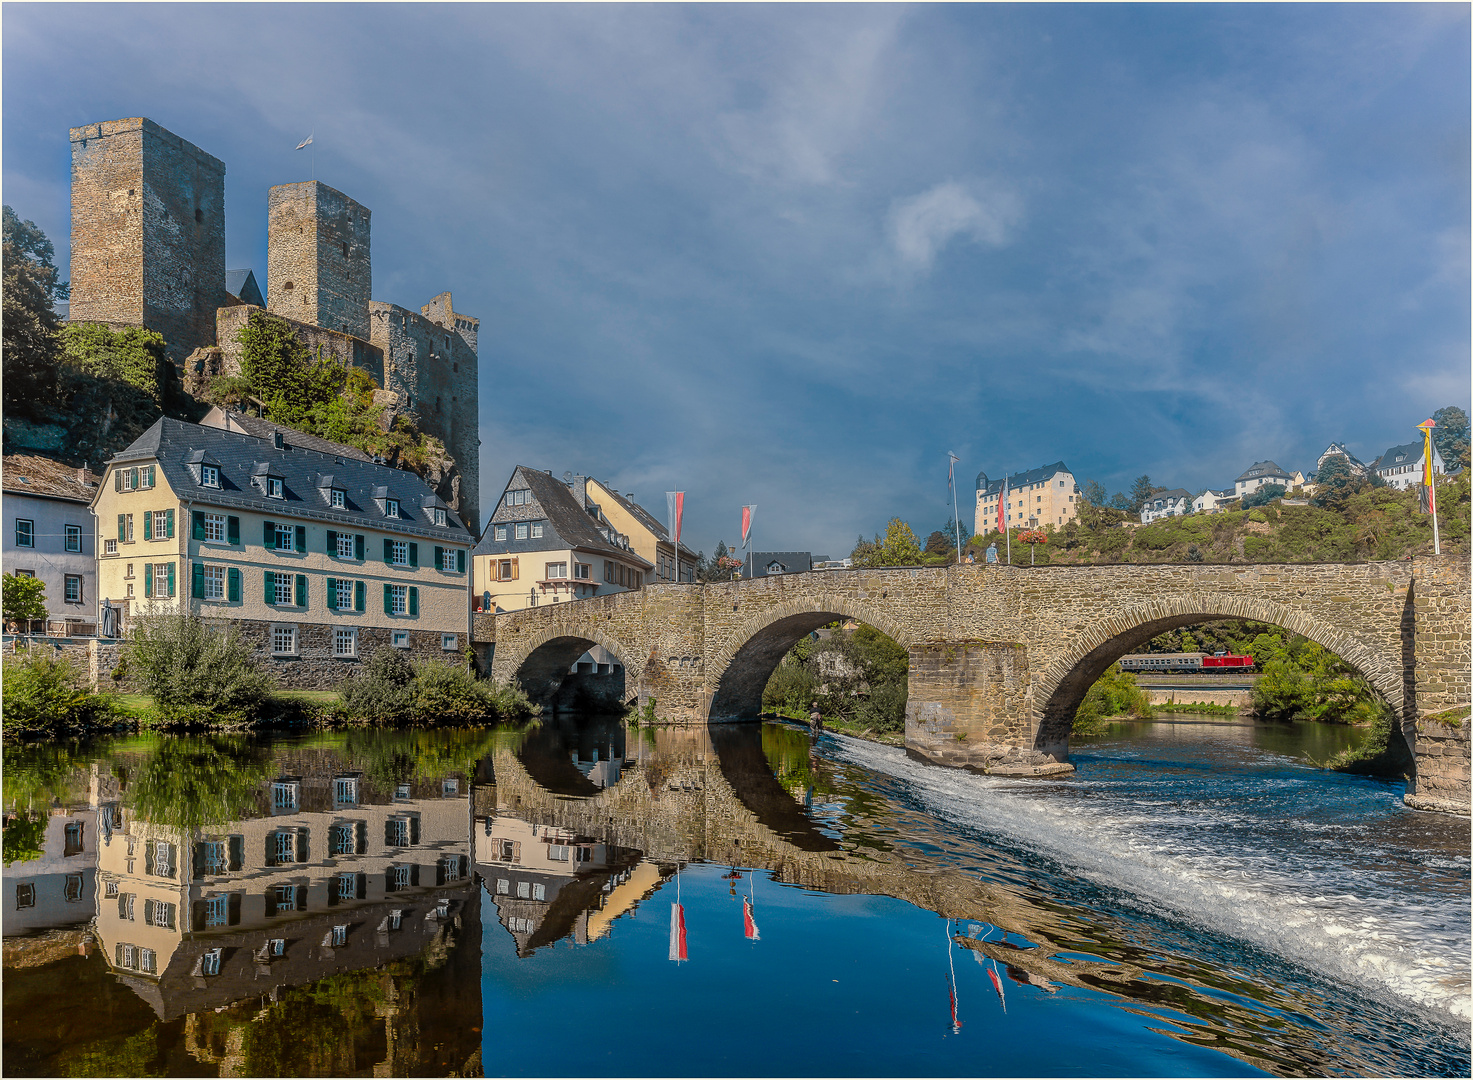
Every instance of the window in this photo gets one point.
(391, 508)
(285, 537)
(283, 640)
(125, 530)
(583, 571)
(609, 572)
(557, 852)
(518, 498)
(450, 787)
(345, 641)
(522, 530)
(557, 570)
(347, 886)
(109, 547)
(214, 582)
(274, 488)
(162, 578)
(284, 795)
(215, 528)
(72, 584)
(341, 838)
(345, 790)
(448, 560)
(524, 890)
(399, 602)
(501, 532)
(536, 530)
(110, 890)
(276, 947)
(73, 839)
(539, 892)
(440, 516)
(338, 498)
(72, 537)
(339, 936)
(284, 846)
(160, 524)
(345, 545)
(449, 642)
(214, 859)
(503, 887)
(401, 791)
(157, 913)
(286, 898)
(72, 889)
(398, 877)
(281, 589)
(401, 639)
(126, 480)
(396, 832)
(506, 569)
(399, 553)
(25, 533)
(125, 906)
(209, 963)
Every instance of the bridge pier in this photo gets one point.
(969, 705)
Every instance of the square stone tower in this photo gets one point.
(317, 257)
(148, 232)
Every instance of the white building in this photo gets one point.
(49, 535)
(1263, 473)
(1335, 449)
(1401, 466)
(1164, 504)
(1211, 502)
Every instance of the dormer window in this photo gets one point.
(274, 488)
(209, 476)
(440, 517)
(338, 499)
(391, 508)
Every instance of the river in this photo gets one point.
(580, 897)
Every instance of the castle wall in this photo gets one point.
(344, 348)
(436, 371)
(148, 232)
(318, 267)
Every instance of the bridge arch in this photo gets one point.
(541, 662)
(1058, 692)
(739, 670)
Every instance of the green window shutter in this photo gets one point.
(360, 596)
(414, 600)
(171, 580)
(268, 535)
(301, 539)
(413, 554)
(332, 542)
(168, 523)
(270, 587)
(358, 547)
(117, 479)
(234, 576)
(148, 525)
(388, 600)
(133, 479)
(151, 475)
(460, 561)
(389, 551)
(198, 518)
(122, 527)
(439, 557)
(332, 594)
(148, 579)
(232, 531)
(197, 582)
(301, 590)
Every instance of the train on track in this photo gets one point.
(1186, 662)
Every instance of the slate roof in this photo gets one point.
(1411, 450)
(644, 517)
(568, 523)
(241, 284)
(1263, 469)
(1023, 479)
(1174, 494)
(35, 474)
(797, 562)
(265, 429)
(171, 442)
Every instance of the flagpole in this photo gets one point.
(1429, 476)
(1008, 512)
(956, 517)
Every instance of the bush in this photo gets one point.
(49, 695)
(384, 693)
(195, 672)
(447, 692)
(1115, 693)
(392, 690)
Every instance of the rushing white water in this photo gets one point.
(1330, 872)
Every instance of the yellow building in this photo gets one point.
(647, 536)
(545, 544)
(314, 557)
(1036, 498)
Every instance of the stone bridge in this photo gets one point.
(1001, 657)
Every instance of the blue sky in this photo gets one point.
(791, 255)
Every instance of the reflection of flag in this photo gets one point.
(1002, 498)
(677, 932)
(306, 142)
(747, 522)
(997, 985)
(956, 1025)
(749, 923)
(675, 509)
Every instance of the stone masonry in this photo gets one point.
(1000, 657)
(148, 232)
(318, 269)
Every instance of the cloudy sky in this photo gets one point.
(792, 255)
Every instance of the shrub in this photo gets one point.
(195, 672)
(884, 709)
(445, 691)
(1281, 692)
(1115, 693)
(49, 695)
(384, 693)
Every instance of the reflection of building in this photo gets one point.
(334, 872)
(59, 887)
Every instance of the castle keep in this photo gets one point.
(148, 249)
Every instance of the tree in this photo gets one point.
(1094, 493)
(1336, 483)
(279, 370)
(1450, 436)
(24, 599)
(31, 287)
(898, 548)
(1140, 491)
(939, 543)
(1267, 494)
(133, 355)
(1118, 501)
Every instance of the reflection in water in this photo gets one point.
(337, 904)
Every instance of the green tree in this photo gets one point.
(1266, 494)
(1119, 501)
(1451, 436)
(1140, 491)
(132, 355)
(31, 286)
(899, 547)
(277, 368)
(1094, 493)
(940, 543)
(24, 599)
(195, 671)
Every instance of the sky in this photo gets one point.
(791, 256)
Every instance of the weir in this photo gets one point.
(1000, 657)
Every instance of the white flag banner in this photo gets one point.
(306, 142)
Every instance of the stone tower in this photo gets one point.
(317, 258)
(148, 232)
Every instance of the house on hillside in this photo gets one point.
(1335, 449)
(1044, 496)
(1164, 504)
(1401, 466)
(1263, 473)
(1211, 501)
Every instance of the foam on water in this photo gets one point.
(1329, 908)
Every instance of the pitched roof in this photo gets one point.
(1174, 493)
(793, 562)
(568, 522)
(1032, 476)
(643, 516)
(36, 474)
(1261, 469)
(241, 284)
(1410, 453)
(171, 442)
(234, 420)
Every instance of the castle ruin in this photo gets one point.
(148, 249)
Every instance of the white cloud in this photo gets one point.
(924, 224)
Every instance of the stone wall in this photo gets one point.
(316, 668)
(318, 267)
(1443, 765)
(346, 349)
(148, 232)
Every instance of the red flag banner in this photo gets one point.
(677, 933)
(1002, 501)
(747, 523)
(674, 511)
(749, 924)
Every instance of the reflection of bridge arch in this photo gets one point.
(542, 661)
(740, 668)
(1062, 686)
